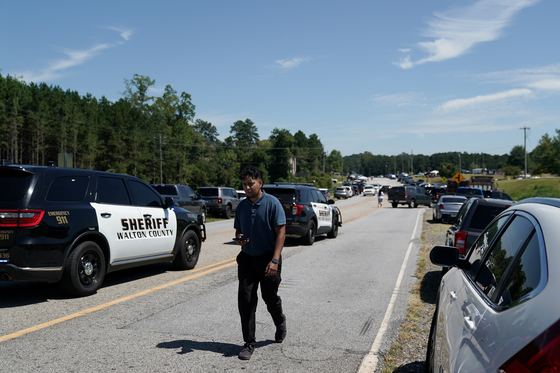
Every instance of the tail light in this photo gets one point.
(219, 200)
(461, 241)
(406, 196)
(441, 206)
(20, 218)
(540, 355)
(296, 209)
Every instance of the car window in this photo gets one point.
(479, 249)
(502, 255)
(14, 185)
(452, 199)
(190, 192)
(526, 275)
(208, 192)
(68, 188)
(112, 190)
(462, 212)
(182, 192)
(484, 215)
(166, 190)
(143, 196)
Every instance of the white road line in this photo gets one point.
(369, 363)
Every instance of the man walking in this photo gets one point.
(260, 229)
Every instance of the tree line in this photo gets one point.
(159, 140)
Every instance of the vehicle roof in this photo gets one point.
(56, 169)
(290, 186)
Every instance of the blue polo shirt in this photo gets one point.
(257, 221)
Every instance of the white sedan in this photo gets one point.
(369, 190)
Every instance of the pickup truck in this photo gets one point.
(409, 195)
(184, 197)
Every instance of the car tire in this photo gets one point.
(395, 204)
(412, 203)
(309, 237)
(189, 251)
(334, 232)
(227, 212)
(84, 270)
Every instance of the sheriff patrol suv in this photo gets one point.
(308, 213)
(73, 226)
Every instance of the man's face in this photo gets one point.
(252, 187)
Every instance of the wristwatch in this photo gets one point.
(274, 260)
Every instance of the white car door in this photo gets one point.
(323, 211)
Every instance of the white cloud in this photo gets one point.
(544, 78)
(464, 102)
(125, 33)
(399, 99)
(546, 84)
(292, 62)
(456, 31)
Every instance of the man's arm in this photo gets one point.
(280, 231)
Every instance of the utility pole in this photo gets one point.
(525, 146)
(411, 162)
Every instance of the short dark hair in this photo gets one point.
(253, 172)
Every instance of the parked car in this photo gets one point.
(355, 190)
(436, 192)
(369, 190)
(497, 308)
(469, 192)
(308, 212)
(446, 207)
(184, 197)
(475, 214)
(497, 194)
(220, 200)
(325, 192)
(73, 226)
(341, 192)
(409, 195)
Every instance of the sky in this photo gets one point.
(384, 77)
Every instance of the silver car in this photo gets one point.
(497, 308)
(446, 207)
(342, 192)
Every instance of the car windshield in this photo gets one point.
(285, 196)
(208, 192)
(166, 190)
(470, 192)
(14, 184)
(453, 199)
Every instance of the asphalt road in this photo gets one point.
(339, 296)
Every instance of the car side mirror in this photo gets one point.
(330, 201)
(169, 202)
(447, 256)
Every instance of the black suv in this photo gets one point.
(184, 197)
(220, 200)
(471, 219)
(308, 213)
(409, 195)
(73, 226)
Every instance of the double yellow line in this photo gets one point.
(195, 273)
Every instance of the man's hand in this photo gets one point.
(271, 269)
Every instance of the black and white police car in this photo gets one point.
(308, 213)
(73, 226)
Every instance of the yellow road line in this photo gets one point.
(192, 275)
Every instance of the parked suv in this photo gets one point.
(472, 218)
(220, 200)
(409, 195)
(184, 197)
(73, 226)
(307, 211)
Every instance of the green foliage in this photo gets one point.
(447, 170)
(511, 171)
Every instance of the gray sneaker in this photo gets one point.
(247, 351)
(281, 331)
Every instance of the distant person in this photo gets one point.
(380, 196)
(260, 229)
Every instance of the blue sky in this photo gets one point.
(380, 76)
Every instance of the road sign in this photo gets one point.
(458, 177)
(444, 180)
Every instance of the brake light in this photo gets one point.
(406, 196)
(460, 241)
(219, 200)
(296, 209)
(20, 218)
(441, 206)
(540, 355)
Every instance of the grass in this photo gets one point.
(527, 188)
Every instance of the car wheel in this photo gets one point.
(430, 351)
(187, 255)
(84, 270)
(227, 213)
(334, 232)
(412, 203)
(395, 204)
(309, 237)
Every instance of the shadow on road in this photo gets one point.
(226, 349)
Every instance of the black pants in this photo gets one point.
(251, 271)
